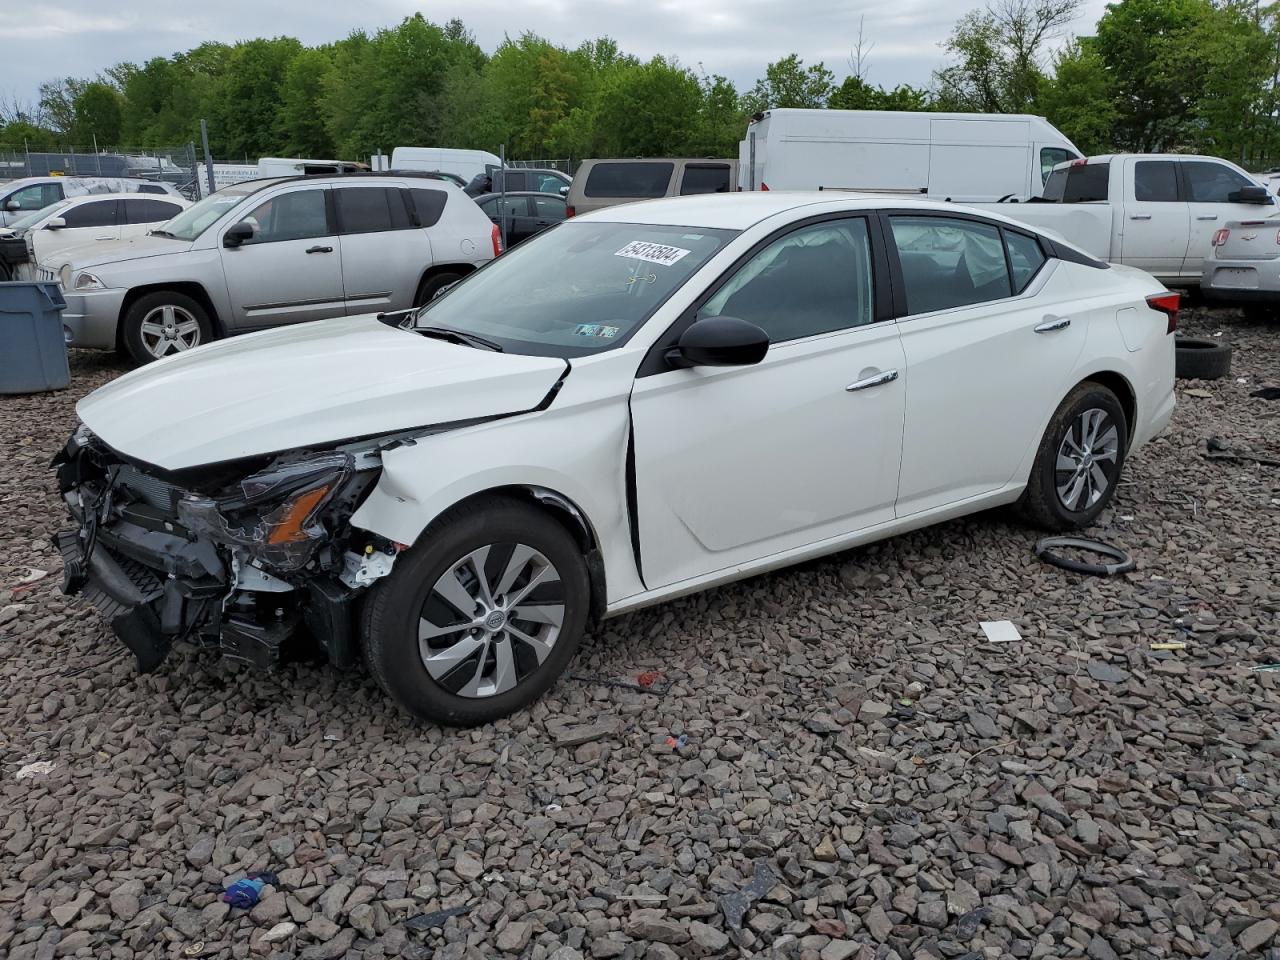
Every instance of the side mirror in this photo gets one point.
(719, 342)
(55, 223)
(12, 205)
(1251, 194)
(237, 234)
(564, 191)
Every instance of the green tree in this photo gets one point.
(97, 114)
(789, 83)
(856, 93)
(1080, 100)
(626, 121)
(245, 96)
(302, 131)
(997, 55)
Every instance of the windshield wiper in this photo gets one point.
(457, 336)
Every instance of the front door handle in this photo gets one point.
(1140, 216)
(319, 249)
(875, 380)
(1053, 323)
(1207, 216)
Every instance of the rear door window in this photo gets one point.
(1078, 183)
(100, 213)
(1155, 181)
(704, 178)
(948, 262)
(629, 179)
(1209, 182)
(369, 210)
(548, 207)
(149, 211)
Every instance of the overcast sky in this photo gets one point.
(733, 37)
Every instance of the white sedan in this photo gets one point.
(640, 403)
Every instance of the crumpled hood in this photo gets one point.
(101, 252)
(305, 385)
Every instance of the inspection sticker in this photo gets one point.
(653, 252)
(596, 330)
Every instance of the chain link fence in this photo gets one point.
(177, 166)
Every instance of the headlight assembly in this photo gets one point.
(84, 280)
(274, 513)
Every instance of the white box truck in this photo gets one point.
(467, 164)
(947, 156)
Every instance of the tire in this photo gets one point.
(1071, 498)
(432, 285)
(475, 654)
(1200, 358)
(163, 323)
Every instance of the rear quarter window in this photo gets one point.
(429, 204)
(1078, 183)
(633, 180)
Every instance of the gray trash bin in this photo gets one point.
(33, 351)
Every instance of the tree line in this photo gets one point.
(1169, 75)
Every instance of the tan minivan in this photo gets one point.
(606, 183)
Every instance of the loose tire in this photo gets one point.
(1078, 464)
(164, 323)
(1201, 358)
(480, 617)
(433, 285)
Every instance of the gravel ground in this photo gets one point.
(841, 734)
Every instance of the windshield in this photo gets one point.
(577, 289)
(23, 222)
(197, 218)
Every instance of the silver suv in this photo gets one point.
(270, 252)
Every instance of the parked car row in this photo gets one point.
(29, 194)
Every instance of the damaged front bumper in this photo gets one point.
(246, 558)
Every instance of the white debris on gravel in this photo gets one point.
(916, 794)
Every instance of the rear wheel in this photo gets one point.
(480, 618)
(1077, 466)
(163, 323)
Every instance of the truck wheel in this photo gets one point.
(480, 617)
(163, 323)
(1078, 465)
(432, 285)
(1201, 358)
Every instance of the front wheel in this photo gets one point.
(160, 324)
(1077, 466)
(480, 617)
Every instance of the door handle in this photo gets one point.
(1139, 216)
(319, 249)
(1208, 216)
(875, 380)
(1053, 323)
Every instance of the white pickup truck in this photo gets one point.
(1155, 211)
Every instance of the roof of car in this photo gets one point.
(87, 197)
(738, 211)
(518, 193)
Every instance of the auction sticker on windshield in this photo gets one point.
(653, 252)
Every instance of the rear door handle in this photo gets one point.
(875, 380)
(319, 249)
(1051, 324)
(1208, 216)
(1139, 216)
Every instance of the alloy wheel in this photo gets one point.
(1088, 460)
(491, 619)
(169, 329)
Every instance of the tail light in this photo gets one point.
(497, 240)
(1166, 303)
(570, 212)
(764, 186)
(1220, 237)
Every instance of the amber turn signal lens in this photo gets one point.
(294, 514)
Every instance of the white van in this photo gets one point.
(467, 164)
(948, 156)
